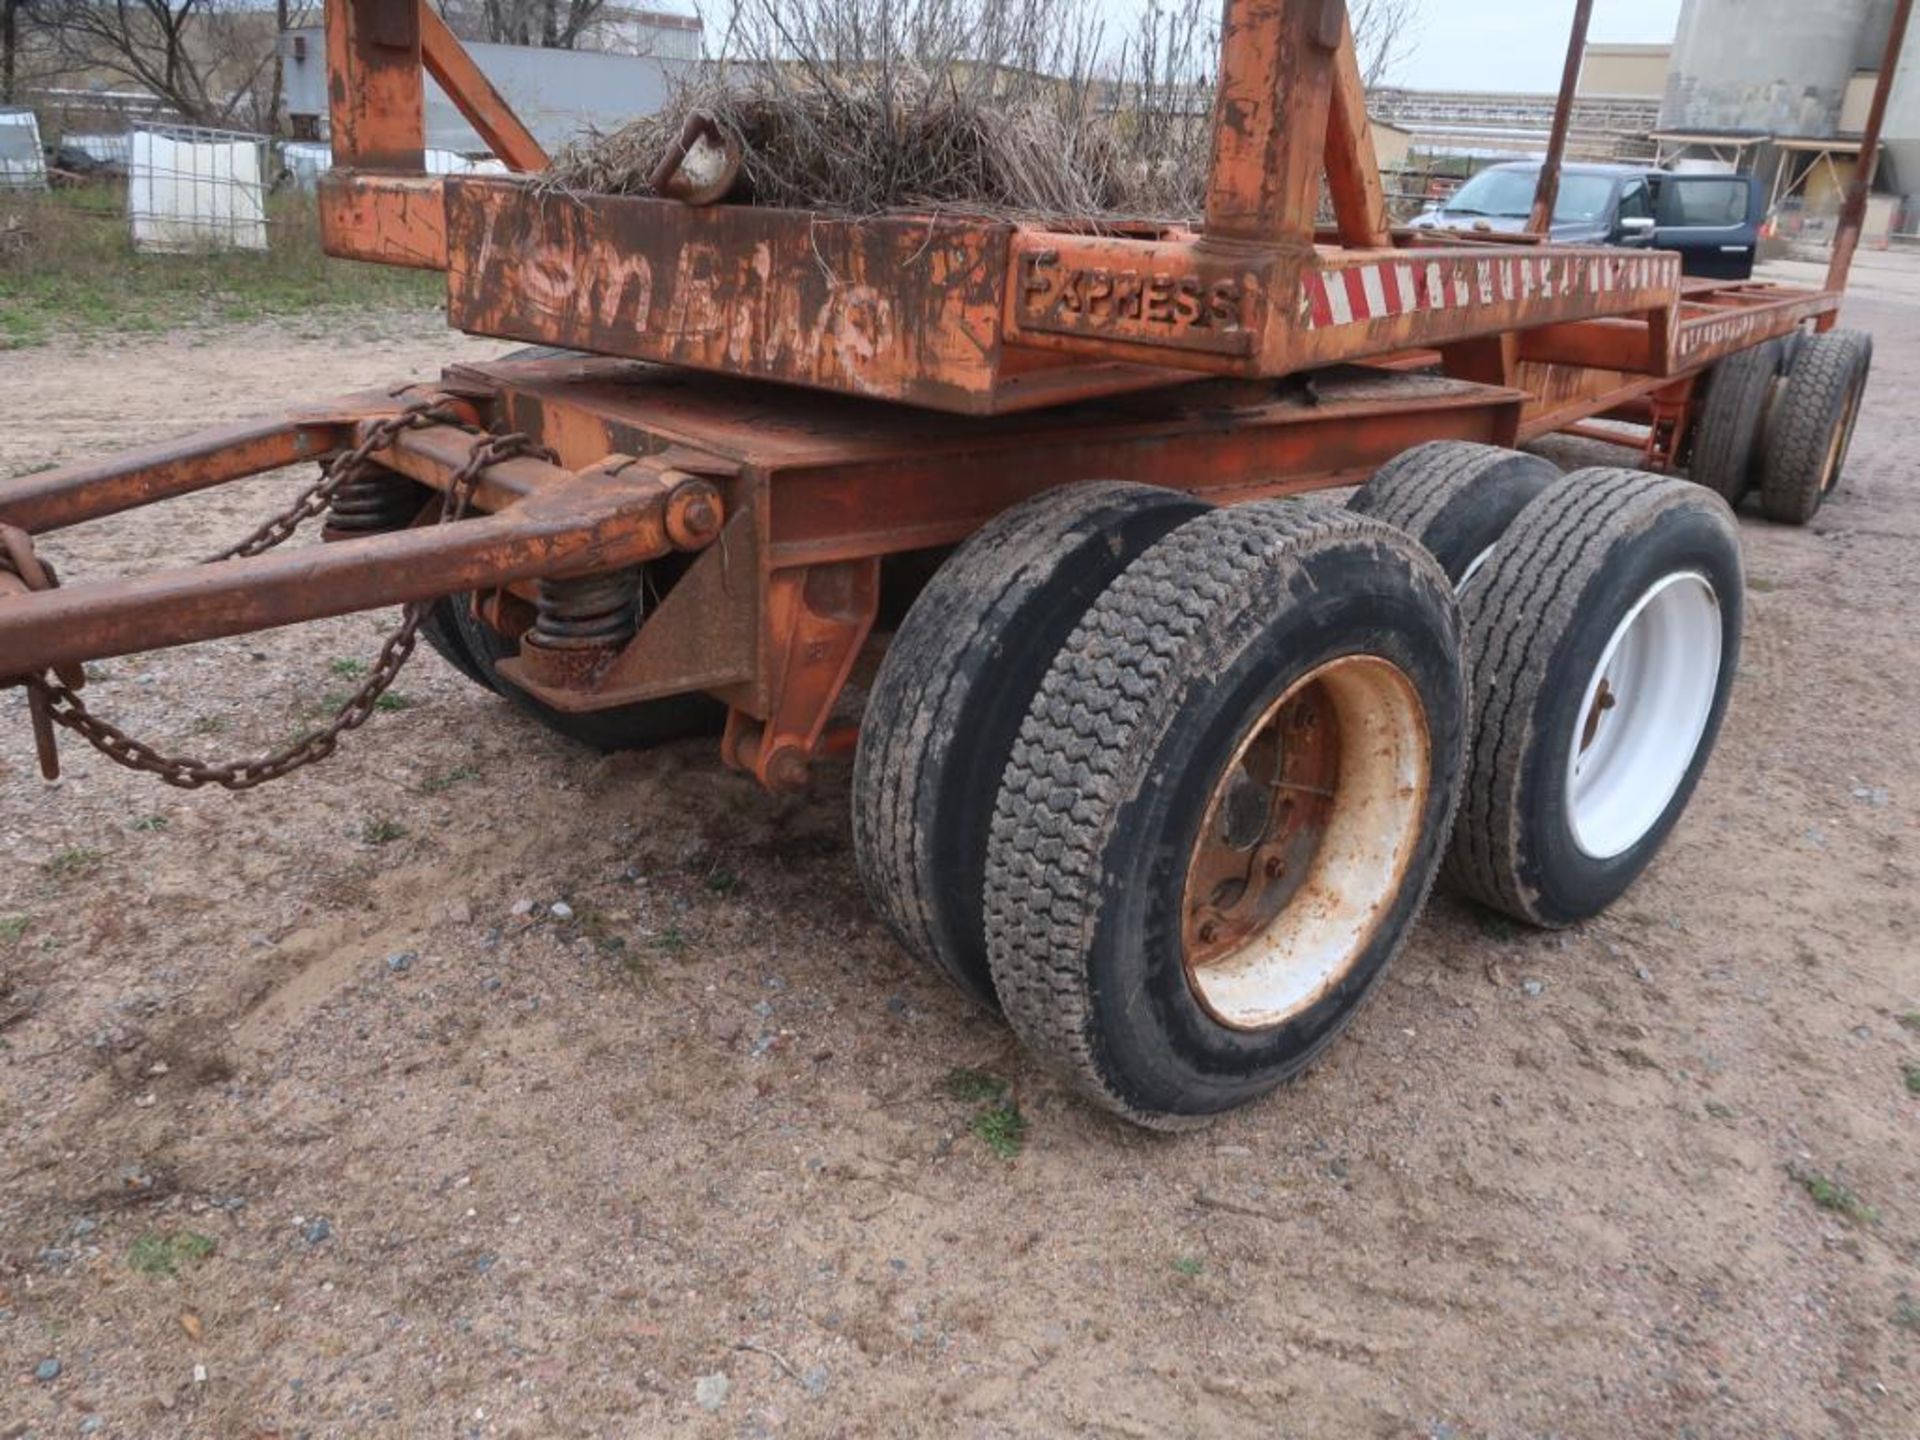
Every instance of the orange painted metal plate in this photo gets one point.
(385, 219)
(898, 309)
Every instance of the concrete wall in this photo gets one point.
(557, 93)
(1776, 66)
(1626, 70)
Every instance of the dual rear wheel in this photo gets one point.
(1169, 785)
(1166, 784)
(1779, 419)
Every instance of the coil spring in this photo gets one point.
(593, 611)
(375, 501)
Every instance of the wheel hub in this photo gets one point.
(1305, 842)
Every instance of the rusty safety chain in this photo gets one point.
(319, 495)
(53, 699)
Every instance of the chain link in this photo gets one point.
(318, 496)
(57, 701)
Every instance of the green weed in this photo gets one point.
(671, 942)
(972, 1087)
(156, 1254)
(72, 861)
(1001, 1127)
(382, 832)
(1830, 1194)
(440, 784)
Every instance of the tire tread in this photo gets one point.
(1076, 761)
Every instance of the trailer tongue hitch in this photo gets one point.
(53, 693)
(21, 570)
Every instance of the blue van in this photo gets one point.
(1712, 220)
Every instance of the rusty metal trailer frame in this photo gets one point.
(957, 365)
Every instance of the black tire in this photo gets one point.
(950, 696)
(441, 630)
(629, 727)
(1576, 564)
(1733, 413)
(475, 649)
(1145, 710)
(1456, 498)
(1811, 429)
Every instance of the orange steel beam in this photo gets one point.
(384, 219)
(1853, 212)
(589, 523)
(1270, 119)
(54, 499)
(1547, 193)
(473, 95)
(377, 93)
(1353, 166)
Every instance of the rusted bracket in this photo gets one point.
(817, 620)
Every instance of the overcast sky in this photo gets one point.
(1519, 44)
(1505, 44)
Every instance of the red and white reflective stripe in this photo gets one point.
(1355, 294)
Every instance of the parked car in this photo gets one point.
(1712, 220)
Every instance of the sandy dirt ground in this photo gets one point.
(474, 1085)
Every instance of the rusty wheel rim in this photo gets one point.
(1842, 439)
(1306, 842)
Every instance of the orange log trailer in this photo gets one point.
(1159, 762)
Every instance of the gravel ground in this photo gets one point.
(473, 1085)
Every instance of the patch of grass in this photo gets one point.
(382, 832)
(155, 1254)
(209, 725)
(74, 271)
(1906, 1312)
(722, 881)
(440, 784)
(1761, 586)
(1830, 1194)
(998, 1121)
(347, 669)
(393, 700)
(1189, 1266)
(150, 824)
(1911, 1071)
(972, 1087)
(12, 927)
(1001, 1127)
(1909, 1021)
(671, 942)
(74, 860)
(1634, 1058)
(1719, 1110)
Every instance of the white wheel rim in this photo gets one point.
(1474, 567)
(1643, 715)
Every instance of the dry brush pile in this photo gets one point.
(1002, 107)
